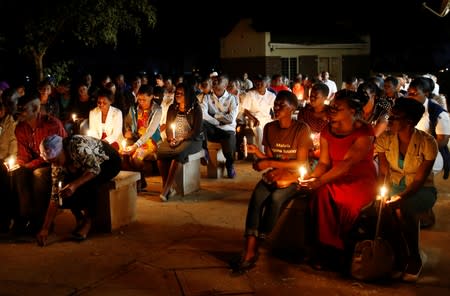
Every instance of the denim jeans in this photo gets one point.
(265, 206)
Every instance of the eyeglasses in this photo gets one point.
(396, 117)
(334, 109)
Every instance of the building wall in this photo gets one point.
(245, 50)
(235, 67)
(244, 41)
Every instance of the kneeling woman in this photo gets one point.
(80, 164)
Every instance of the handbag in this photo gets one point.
(373, 259)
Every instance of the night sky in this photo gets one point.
(405, 36)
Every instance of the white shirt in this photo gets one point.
(259, 105)
(216, 110)
(442, 128)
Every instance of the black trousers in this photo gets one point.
(226, 138)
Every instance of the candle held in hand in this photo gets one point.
(244, 143)
(383, 192)
(302, 172)
(59, 196)
(173, 129)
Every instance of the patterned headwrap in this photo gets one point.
(50, 147)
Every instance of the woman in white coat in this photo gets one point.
(106, 121)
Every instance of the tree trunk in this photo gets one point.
(38, 61)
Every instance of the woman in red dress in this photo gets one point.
(344, 180)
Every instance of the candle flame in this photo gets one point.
(383, 191)
(11, 162)
(74, 117)
(302, 171)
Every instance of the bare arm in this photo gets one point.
(355, 154)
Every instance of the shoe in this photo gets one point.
(427, 219)
(246, 265)
(81, 232)
(205, 159)
(22, 227)
(231, 172)
(396, 274)
(412, 271)
(172, 192)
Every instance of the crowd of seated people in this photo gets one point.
(167, 122)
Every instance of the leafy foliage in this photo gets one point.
(42, 23)
(58, 71)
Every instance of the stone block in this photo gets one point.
(187, 178)
(216, 164)
(116, 203)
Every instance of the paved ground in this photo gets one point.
(182, 247)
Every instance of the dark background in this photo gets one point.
(405, 37)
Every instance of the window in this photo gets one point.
(289, 67)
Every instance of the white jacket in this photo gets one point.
(112, 126)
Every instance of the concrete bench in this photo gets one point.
(216, 163)
(116, 203)
(291, 234)
(187, 178)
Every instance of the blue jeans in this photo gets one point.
(265, 206)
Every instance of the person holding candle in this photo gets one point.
(8, 150)
(81, 164)
(142, 133)
(184, 137)
(286, 145)
(32, 181)
(344, 180)
(315, 115)
(105, 121)
(406, 154)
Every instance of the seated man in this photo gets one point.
(257, 106)
(219, 120)
(32, 180)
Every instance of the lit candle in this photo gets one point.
(11, 162)
(302, 171)
(173, 129)
(74, 117)
(383, 192)
(244, 143)
(59, 196)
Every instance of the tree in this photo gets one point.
(40, 24)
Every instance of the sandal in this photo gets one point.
(82, 230)
(246, 265)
